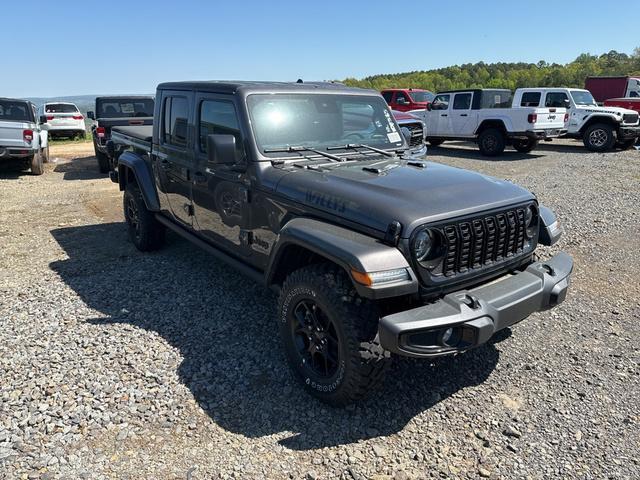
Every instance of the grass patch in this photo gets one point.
(70, 141)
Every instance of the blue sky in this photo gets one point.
(113, 46)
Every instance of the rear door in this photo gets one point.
(461, 115)
(175, 159)
(220, 192)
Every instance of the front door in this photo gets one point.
(438, 118)
(175, 159)
(220, 192)
(461, 115)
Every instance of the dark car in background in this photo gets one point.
(117, 111)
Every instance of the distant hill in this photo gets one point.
(508, 75)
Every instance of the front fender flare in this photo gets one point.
(141, 170)
(346, 248)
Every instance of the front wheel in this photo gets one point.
(491, 142)
(599, 137)
(436, 142)
(145, 232)
(525, 146)
(330, 335)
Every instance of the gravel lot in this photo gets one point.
(117, 364)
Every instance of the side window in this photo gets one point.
(218, 117)
(387, 96)
(462, 101)
(441, 102)
(530, 99)
(402, 97)
(175, 121)
(556, 100)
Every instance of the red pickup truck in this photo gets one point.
(407, 99)
(629, 103)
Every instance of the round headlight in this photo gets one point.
(422, 245)
(531, 220)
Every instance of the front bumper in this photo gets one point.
(469, 318)
(628, 133)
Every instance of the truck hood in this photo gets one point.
(402, 192)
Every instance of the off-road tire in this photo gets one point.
(436, 143)
(599, 137)
(36, 163)
(104, 164)
(361, 360)
(145, 232)
(525, 146)
(491, 142)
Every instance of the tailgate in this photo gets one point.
(11, 134)
(549, 118)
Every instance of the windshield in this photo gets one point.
(60, 108)
(582, 97)
(321, 120)
(18, 111)
(423, 97)
(118, 108)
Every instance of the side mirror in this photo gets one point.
(42, 119)
(428, 107)
(567, 104)
(401, 101)
(91, 115)
(221, 149)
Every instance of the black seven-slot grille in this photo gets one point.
(483, 241)
(631, 118)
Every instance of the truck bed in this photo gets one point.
(139, 136)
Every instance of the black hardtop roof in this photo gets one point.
(7, 99)
(476, 90)
(119, 97)
(232, 86)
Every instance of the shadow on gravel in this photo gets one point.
(82, 168)
(224, 328)
(447, 150)
(12, 169)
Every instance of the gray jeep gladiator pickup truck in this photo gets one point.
(113, 111)
(307, 188)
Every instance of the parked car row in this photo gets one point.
(495, 118)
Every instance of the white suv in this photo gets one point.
(64, 120)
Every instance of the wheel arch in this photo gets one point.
(132, 168)
(492, 123)
(303, 241)
(606, 119)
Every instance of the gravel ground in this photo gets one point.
(117, 364)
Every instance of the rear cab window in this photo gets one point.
(116, 108)
(530, 99)
(16, 110)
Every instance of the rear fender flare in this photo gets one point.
(132, 167)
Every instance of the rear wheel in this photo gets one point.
(525, 146)
(104, 165)
(145, 232)
(436, 143)
(330, 335)
(37, 164)
(599, 137)
(45, 154)
(491, 142)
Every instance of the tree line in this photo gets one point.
(508, 75)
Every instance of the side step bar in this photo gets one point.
(252, 273)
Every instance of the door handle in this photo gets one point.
(444, 115)
(199, 177)
(463, 115)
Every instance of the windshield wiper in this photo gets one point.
(355, 146)
(302, 148)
